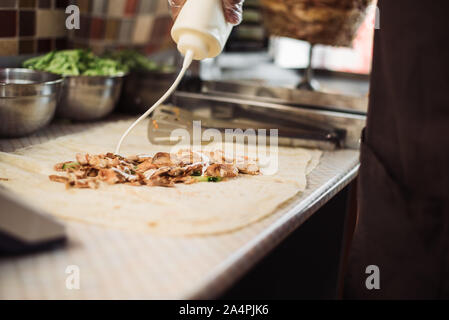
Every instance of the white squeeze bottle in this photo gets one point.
(201, 32)
(201, 27)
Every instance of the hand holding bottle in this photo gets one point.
(232, 9)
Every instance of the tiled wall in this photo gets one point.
(38, 26)
(107, 24)
(32, 26)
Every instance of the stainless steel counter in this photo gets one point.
(115, 264)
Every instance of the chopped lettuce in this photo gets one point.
(74, 63)
(71, 165)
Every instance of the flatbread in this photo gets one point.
(198, 209)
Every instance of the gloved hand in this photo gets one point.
(232, 9)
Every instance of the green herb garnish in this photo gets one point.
(75, 63)
(208, 179)
(70, 165)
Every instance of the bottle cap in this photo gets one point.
(191, 41)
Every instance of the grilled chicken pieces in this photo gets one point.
(163, 169)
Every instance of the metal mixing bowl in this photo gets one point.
(28, 100)
(87, 98)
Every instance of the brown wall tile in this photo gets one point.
(27, 23)
(161, 29)
(50, 23)
(84, 5)
(131, 7)
(61, 44)
(147, 6)
(126, 30)
(44, 45)
(97, 28)
(84, 30)
(44, 4)
(27, 4)
(62, 4)
(116, 8)
(162, 7)
(27, 46)
(8, 3)
(8, 23)
(99, 6)
(112, 28)
(142, 30)
(9, 47)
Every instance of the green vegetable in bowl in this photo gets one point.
(132, 60)
(74, 63)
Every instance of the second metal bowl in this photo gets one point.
(28, 100)
(87, 98)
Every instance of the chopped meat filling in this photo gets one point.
(163, 169)
(162, 159)
(222, 170)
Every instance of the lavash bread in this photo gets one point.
(186, 210)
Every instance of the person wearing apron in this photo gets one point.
(403, 192)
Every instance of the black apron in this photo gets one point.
(403, 225)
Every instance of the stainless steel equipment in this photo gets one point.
(86, 98)
(307, 81)
(167, 119)
(287, 96)
(28, 100)
(298, 126)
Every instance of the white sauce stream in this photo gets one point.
(187, 61)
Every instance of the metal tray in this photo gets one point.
(281, 95)
(306, 127)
